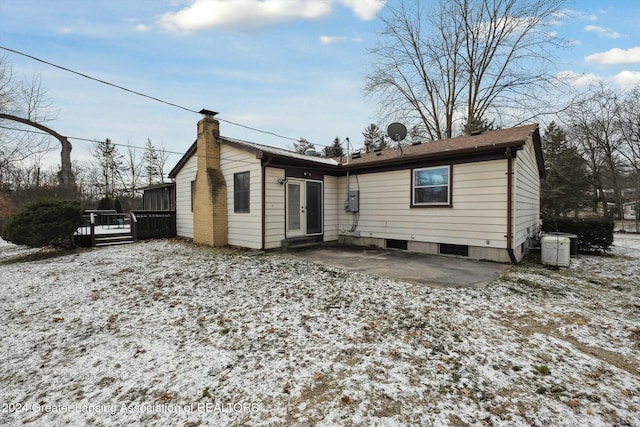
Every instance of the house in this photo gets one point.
(630, 209)
(473, 196)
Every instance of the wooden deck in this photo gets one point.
(117, 229)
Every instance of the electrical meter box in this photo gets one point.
(353, 201)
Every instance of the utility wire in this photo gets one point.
(86, 76)
(96, 79)
(136, 147)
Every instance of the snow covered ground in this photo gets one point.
(167, 333)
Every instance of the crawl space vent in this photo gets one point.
(449, 249)
(396, 244)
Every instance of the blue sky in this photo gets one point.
(292, 67)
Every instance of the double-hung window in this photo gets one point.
(241, 192)
(432, 186)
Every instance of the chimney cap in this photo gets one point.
(208, 113)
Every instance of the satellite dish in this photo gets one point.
(397, 131)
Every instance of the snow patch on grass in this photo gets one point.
(167, 325)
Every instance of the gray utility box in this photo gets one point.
(353, 201)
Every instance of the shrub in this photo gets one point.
(594, 234)
(43, 223)
(106, 204)
(118, 206)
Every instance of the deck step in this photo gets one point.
(300, 243)
(113, 239)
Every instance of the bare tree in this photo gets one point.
(162, 159)
(133, 165)
(463, 59)
(630, 127)
(595, 117)
(26, 103)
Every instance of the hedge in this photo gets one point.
(594, 234)
(43, 223)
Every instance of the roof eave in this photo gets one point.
(183, 160)
(451, 154)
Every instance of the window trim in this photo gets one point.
(241, 192)
(447, 204)
(193, 191)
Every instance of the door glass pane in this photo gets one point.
(314, 207)
(293, 206)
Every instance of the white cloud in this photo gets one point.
(603, 32)
(141, 28)
(204, 14)
(572, 13)
(365, 9)
(332, 39)
(616, 56)
(627, 79)
(336, 39)
(578, 79)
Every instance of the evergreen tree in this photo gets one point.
(151, 158)
(374, 138)
(478, 125)
(44, 222)
(567, 183)
(118, 206)
(105, 204)
(335, 149)
(302, 146)
(110, 163)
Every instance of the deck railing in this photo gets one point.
(139, 224)
(153, 224)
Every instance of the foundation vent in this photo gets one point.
(449, 249)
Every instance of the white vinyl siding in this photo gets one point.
(245, 229)
(331, 206)
(527, 195)
(274, 208)
(477, 216)
(184, 215)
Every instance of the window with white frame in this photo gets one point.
(241, 192)
(431, 186)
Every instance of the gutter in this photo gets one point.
(509, 236)
(262, 202)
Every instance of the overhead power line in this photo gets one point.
(134, 147)
(172, 104)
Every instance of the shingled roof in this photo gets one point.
(463, 145)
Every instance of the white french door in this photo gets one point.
(304, 207)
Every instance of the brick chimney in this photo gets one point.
(210, 192)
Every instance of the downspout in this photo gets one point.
(263, 203)
(512, 255)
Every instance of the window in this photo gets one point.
(431, 186)
(193, 190)
(241, 192)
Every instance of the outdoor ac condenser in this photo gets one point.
(555, 250)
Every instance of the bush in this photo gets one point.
(43, 223)
(594, 234)
(105, 204)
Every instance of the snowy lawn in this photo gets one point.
(168, 333)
